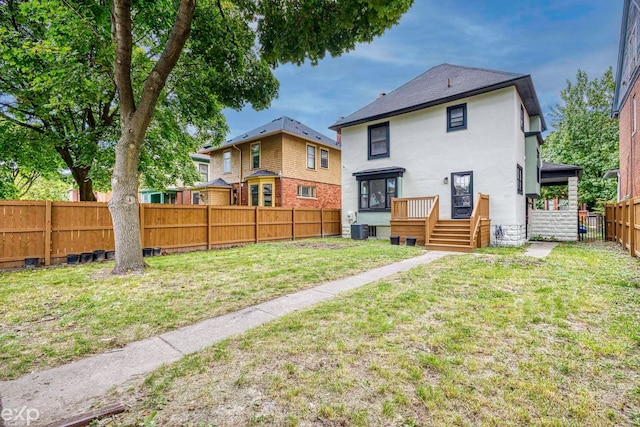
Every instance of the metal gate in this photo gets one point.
(591, 227)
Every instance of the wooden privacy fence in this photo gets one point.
(51, 230)
(622, 225)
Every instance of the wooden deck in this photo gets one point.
(419, 217)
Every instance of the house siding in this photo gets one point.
(294, 162)
(491, 146)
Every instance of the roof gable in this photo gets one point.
(440, 84)
(283, 124)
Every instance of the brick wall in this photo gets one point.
(328, 196)
(629, 145)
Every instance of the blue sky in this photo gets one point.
(550, 40)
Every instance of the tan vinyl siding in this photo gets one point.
(294, 162)
(217, 166)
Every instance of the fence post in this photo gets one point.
(47, 233)
(208, 227)
(321, 222)
(632, 228)
(141, 210)
(293, 223)
(257, 213)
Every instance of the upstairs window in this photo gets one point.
(227, 161)
(456, 117)
(204, 172)
(522, 118)
(379, 141)
(311, 157)
(255, 156)
(324, 159)
(519, 180)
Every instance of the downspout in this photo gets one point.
(240, 178)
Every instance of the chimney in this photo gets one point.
(382, 95)
(339, 136)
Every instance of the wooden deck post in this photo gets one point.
(47, 233)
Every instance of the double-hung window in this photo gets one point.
(226, 156)
(519, 179)
(324, 158)
(255, 156)
(311, 157)
(522, 118)
(456, 117)
(203, 169)
(379, 141)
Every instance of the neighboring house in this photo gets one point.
(626, 99)
(282, 164)
(452, 132)
(180, 194)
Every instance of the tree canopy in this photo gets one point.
(585, 135)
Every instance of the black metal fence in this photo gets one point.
(591, 227)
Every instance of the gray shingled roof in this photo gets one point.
(441, 84)
(283, 124)
(261, 172)
(218, 182)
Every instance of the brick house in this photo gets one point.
(625, 102)
(282, 164)
(179, 194)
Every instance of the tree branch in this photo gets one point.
(121, 29)
(158, 76)
(18, 122)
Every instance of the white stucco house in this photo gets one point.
(452, 132)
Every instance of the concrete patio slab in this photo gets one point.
(540, 249)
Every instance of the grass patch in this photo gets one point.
(55, 315)
(478, 339)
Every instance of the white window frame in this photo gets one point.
(226, 161)
(314, 148)
(200, 171)
(322, 150)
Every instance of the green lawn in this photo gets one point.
(55, 315)
(481, 339)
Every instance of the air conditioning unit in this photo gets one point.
(359, 231)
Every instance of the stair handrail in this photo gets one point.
(433, 216)
(480, 211)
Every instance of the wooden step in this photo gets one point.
(457, 242)
(458, 236)
(449, 248)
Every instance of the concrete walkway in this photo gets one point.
(540, 249)
(59, 393)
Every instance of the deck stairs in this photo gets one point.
(451, 235)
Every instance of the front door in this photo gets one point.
(461, 195)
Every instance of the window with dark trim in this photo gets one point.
(376, 194)
(324, 158)
(456, 117)
(519, 180)
(538, 165)
(379, 141)
(521, 118)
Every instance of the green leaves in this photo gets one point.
(586, 135)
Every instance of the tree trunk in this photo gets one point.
(124, 206)
(85, 189)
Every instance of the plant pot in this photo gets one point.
(73, 259)
(395, 240)
(110, 255)
(31, 262)
(86, 257)
(99, 255)
(157, 251)
(147, 252)
(411, 241)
